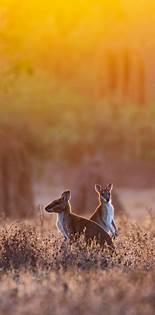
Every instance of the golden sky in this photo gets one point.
(69, 16)
(41, 29)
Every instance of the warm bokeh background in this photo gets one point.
(77, 107)
(76, 101)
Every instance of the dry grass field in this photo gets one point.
(41, 273)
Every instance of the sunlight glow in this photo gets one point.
(66, 33)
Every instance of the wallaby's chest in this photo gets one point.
(62, 224)
(107, 212)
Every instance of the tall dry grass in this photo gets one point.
(43, 274)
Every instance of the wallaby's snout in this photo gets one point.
(55, 207)
(49, 208)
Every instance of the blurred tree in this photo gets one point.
(16, 192)
(93, 170)
(141, 82)
(126, 74)
(112, 71)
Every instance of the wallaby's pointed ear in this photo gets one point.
(66, 195)
(98, 188)
(109, 187)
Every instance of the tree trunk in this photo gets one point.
(16, 191)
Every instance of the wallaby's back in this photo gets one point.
(91, 229)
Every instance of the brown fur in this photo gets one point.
(75, 224)
(97, 214)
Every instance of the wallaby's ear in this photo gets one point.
(66, 195)
(98, 188)
(109, 187)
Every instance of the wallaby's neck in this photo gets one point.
(66, 212)
(103, 204)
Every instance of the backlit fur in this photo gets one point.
(104, 214)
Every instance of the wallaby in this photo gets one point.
(70, 224)
(104, 214)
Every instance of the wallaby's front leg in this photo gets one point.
(112, 230)
(70, 231)
(115, 227)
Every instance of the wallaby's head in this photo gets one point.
(104, 193)
(61, 204)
